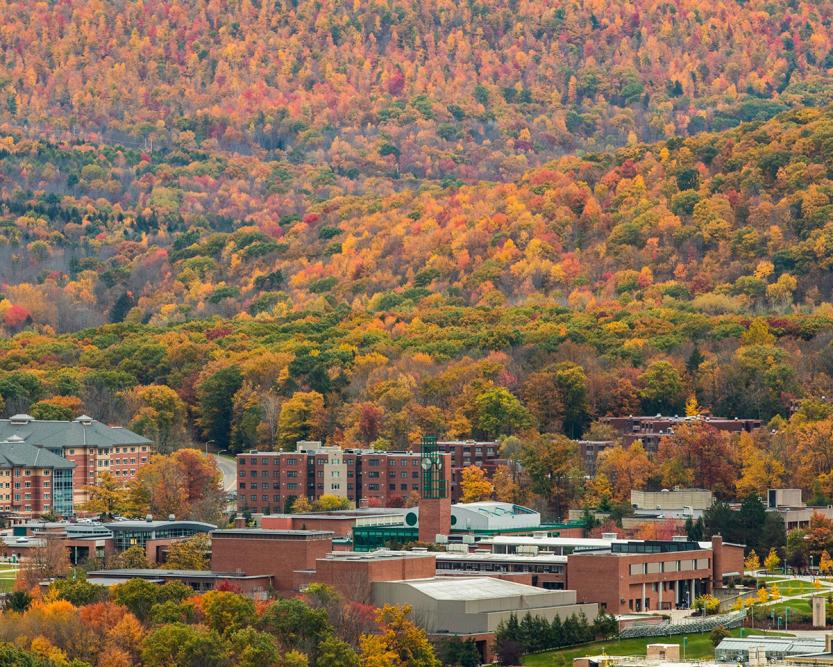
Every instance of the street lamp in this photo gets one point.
(206, 445)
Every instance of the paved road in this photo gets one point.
(229, 469)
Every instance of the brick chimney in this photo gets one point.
(717, 561)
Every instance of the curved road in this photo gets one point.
(228, 467)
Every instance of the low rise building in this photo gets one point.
(268, 482)
(200, 580)
(472, 608)
(639, 576)
(650, 430)
(340, 522)
(546, 571)
(282, 555)
(792, 508)
(738, 649)
(672, 501)
(354, 573)
(154, 536)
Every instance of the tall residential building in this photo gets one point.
(33, 480)
(91, 446)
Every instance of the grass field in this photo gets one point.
(698, 646)
(793, 586)
(8, 574)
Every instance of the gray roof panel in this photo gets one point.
(46, 433)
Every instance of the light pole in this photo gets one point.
(206, 445)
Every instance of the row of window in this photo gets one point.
(334, 474)
(486, 566)
(117, 450)
(277, 461)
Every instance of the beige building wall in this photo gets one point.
(478, 615)
(698, 499)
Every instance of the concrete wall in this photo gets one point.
(477, 616)
(699, 499)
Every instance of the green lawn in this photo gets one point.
(698, 646)
(794, 586)
(6, 585)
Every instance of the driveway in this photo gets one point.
(228, 467)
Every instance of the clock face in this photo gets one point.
(427, 463)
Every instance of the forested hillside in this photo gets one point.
(258, 222)
(611, 284)
(436, 89)
(736, 222)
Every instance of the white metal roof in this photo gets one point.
(579, 542)
(474, 588)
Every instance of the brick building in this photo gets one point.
(650, 430)
(340, 522)
(651, 575)
(353, 574)
(91, 446)
(268, 482)
(282, 555)
(33, 481)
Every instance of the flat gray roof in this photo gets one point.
(271, 533)
(474, 588)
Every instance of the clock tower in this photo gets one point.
(435, 491)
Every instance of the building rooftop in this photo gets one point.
(379, 554)
(278, 534)
(15, 452)
(80, 432)
(138, 524)
(473, 588)
(793, 645)
(151, 573)
(501, 558)
(361, 512)
(545, 541)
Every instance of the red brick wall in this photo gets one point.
(731, 559)
(268, 555)
(605, 578)
(354, 578)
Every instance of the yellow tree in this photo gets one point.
(825, 563)
(760, 470)
(506, 488)
(400, 641)
(752, 562)
(301, 505)
(626, 468)
(474, 485)
(329, 502)
(107, 498)
(772, 561)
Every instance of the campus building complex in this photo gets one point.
(88, 445)
(268, 482)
